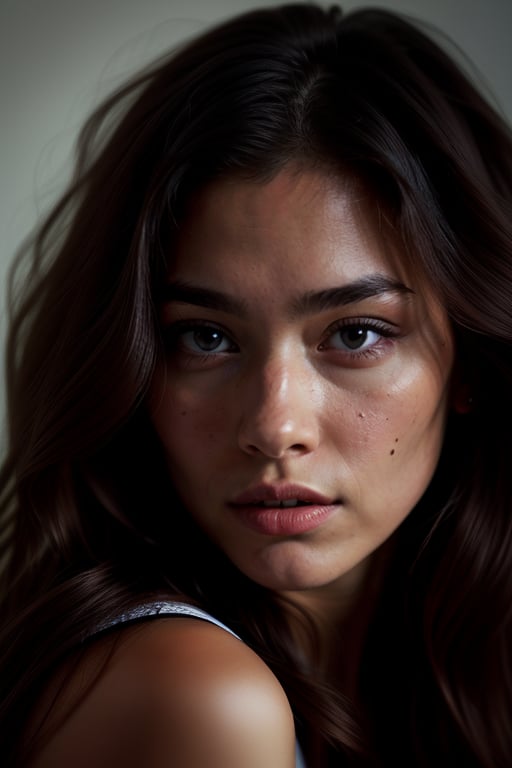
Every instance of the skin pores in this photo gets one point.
(301, 366)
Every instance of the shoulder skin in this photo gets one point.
(171, 693)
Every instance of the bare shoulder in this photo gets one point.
(172, 692)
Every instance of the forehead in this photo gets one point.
(302, 223)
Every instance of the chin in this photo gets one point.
(283, 571)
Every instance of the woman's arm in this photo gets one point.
(173, 693)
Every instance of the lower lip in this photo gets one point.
(284, 521)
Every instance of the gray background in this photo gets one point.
(60, 57)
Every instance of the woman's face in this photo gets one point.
(303, 397)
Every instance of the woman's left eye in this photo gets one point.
(356, 337)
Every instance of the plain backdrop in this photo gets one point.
(58, 58)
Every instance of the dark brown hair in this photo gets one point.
(84, 493)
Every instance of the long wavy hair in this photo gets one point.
(89, 522)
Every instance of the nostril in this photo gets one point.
(275, 449)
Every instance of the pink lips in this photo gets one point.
(283, 509)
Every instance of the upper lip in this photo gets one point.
(280, 492)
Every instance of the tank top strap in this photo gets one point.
(160, 609)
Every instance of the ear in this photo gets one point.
(462, 401)
(461, 397)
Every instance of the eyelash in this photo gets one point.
(383, 330)
(176, 332)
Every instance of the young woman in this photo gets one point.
(257, 501)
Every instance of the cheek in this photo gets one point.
(401, 421)
(187, 427)
(372, 441)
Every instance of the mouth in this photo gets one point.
(285, 504)
(283, 509)
(280, 495)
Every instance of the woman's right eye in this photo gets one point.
(201, 339)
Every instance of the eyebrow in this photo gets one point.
(310, 302)
(186, 293)
(365, 288)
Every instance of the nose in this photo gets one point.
(279, 414)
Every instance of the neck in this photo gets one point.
(341, 613)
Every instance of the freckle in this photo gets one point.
(396, 439)
(392, 452)
(183, 413)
